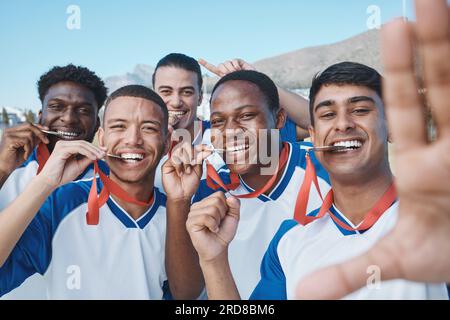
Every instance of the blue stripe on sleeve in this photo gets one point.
(272, 285)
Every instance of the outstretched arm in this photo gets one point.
(61, 167)
(295, 105)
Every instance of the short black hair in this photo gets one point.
(76, 74)
(262, 81)
(181, 61)
(350, 73)
(138, 91)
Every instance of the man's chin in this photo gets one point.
(347, 172)
(242, 169)
(130, 179)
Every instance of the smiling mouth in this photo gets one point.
(68, 135)
(131, 157)
(349, 145)
(175, 116)
(237, 149)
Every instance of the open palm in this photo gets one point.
(418, 248)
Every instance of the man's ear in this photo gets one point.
(97, 125)
(40, 116)
(311, 133)
(280, 120)
(101, 137)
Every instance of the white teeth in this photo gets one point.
(69, 134)
(132, 156)
(349, 144)
(177, 113)
(237, 148)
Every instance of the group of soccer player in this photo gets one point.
(165, 206)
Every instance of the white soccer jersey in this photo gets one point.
(34, 286)
(119, 258)
(261, 217)
(298, 250)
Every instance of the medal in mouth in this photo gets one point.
(175, 116)
(347, 145)
(65, 134)
(128, 157)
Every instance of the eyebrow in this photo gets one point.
(79, 102)
(154, 122)
(360, 98)
(356, 99)
(182, 88)
(237, 109)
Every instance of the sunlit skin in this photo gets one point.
(350, 112)
(239, 107)
(344, 113)
(180, 91)
(70, 107)
(134, 125)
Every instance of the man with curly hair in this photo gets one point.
(71, 97)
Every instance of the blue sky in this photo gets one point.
(117, 35)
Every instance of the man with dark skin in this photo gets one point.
(71, 97)
(244, 105)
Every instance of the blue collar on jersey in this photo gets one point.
(345, 232)
(142, 222)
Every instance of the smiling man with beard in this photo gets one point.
(108, 244)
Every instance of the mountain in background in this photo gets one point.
(297, 68)
(142, 74)
(292, 70)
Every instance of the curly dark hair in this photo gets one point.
(76, 74)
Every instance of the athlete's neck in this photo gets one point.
(141, 191)
(256, 180)
(356, 198)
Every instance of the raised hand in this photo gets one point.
(227, 66)
(181, 173)
(212, 224)
(68, 160)
(418, 248)
(17, 144)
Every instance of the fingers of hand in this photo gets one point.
(210, 67)
(201, 152)
(205, 220)
(433, 40)
(182, 158)
(234, 206)
(401, 90)
(215, 202)
(70, 148)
